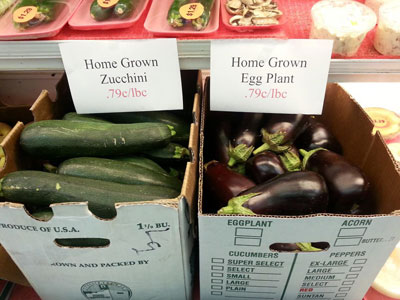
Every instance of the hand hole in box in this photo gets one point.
(82, 242)
(300, 247)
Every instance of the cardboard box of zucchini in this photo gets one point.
(305, 206)
(106, 207)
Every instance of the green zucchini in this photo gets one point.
(52, 139)
(42, 189)
(116, 171)
(124, 8)
(99, 13)
(181, 126)
(43, 214)
(172, 151)
(142, 162)
(73, 116)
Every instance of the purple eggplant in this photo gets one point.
(245, 138)
(294, 193)
(264, 166)
(347, 184)
(316, 135)
(279, 129)
(296, 247)
(222, 183)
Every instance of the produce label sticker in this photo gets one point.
(24, 14)
(107, 3)
(271, 76)
(122, 76)
(191, 11)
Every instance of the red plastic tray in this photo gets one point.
(225, 17)
(156, 21)
(81, 20)
(64, 12)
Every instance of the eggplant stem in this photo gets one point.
(262, 148)
(239, 154)
(306, 155)
(290, 161)
(306, 247)
(235, 206)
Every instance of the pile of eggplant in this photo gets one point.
(278, 164)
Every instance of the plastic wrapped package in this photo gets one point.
(345, 22)
(387, 36)
(376, 4)
(32, 19)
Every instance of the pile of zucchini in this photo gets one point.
(94, 159)
(121, 10)
(175, 19)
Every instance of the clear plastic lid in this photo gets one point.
(389, 15)
(376, 4)
(343, 17)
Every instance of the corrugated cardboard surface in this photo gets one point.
(167, 249)
(235, 258)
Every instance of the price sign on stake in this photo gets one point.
(121, 76)
(272, 76)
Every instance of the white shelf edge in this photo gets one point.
(193, 54)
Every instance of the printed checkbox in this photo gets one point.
(348, 282)
(340, 242)
(351, 276)
(216, 287)
(218, 281)
(217, 274)
(356, 269)
(215, 293)
(248, 232)
(348, 232)
(241, 241)
(344, 289)
(341, 295)
(217, 268)
(217, 260)
(360, 261)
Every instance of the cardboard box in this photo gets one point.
(15, 117)
(150, 251)
(235, 257)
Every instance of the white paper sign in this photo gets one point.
(120, 76)
(271, 76)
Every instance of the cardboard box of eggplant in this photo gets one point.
(271, 228)
(102, 238)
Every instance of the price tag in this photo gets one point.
(271, 76)
(121, 76)
(191, 11)
(24, 14)
(107, 3)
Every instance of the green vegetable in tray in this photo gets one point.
(4, 5)
(201, 22)
(45, 13)
(99, 13)
(125, 8)
(174, 18)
